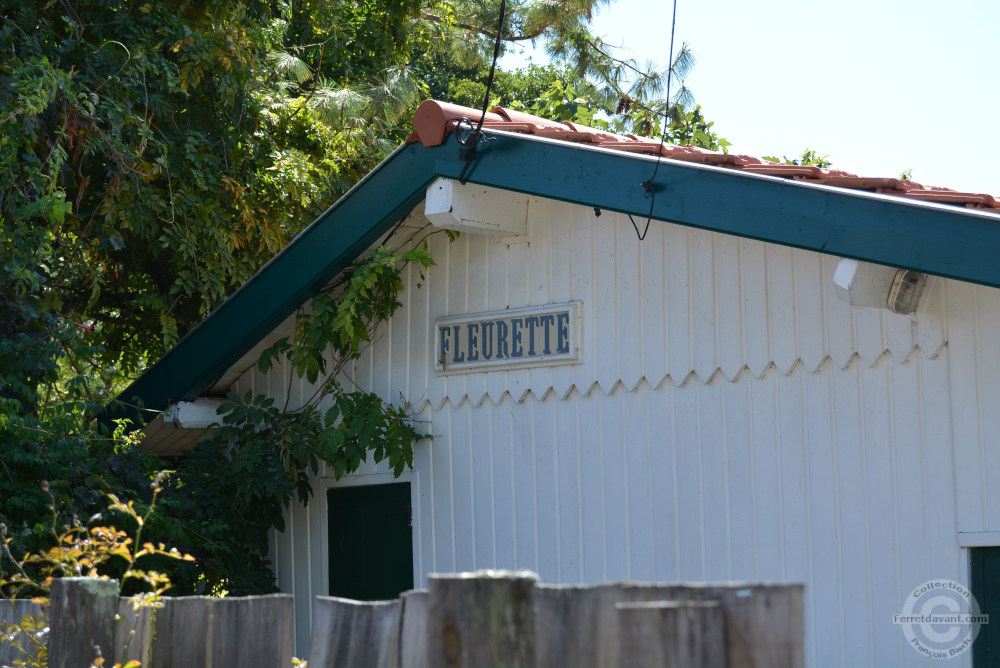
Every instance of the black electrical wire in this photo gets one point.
(471, 142)
(642, 237)
(648, 184)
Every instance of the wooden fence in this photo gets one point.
(11, 614)
(472, 620)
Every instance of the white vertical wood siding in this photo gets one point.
(731, 419)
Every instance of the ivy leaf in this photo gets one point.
(272, 352)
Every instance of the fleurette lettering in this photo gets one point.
(457, 359)
(530, 323)
(547, 321)
(515, 338)
(473, 328)
(502, 350)
(444, 334)
(562, 332)
(487, 328)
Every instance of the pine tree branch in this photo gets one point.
(427, 16)
(594, 45)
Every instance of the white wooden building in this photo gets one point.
(704, 405)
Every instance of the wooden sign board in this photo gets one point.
(530, 336)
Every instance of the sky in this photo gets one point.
(879, 86)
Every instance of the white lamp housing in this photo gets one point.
(904, 295)
(197, 414)
(878, 286)
(476, 209)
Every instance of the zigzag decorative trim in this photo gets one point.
(745, 374)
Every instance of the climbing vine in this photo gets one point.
(227, 494)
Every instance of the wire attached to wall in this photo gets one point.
(471, 141)
(648, 184)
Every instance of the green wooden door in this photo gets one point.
(986, 589)
(371, 542)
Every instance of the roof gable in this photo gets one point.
(928, 237)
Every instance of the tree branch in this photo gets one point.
(487, 33)
(592, 44)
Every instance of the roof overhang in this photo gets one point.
(927, 237)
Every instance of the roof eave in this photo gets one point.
(931, 238)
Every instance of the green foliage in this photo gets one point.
(691, 129)
(47, 402)
(162, 152)
(555, 92)
(93, 550)
(235, 485)
(562, 101)
(370, 297)
(809, 158)
(153, 156)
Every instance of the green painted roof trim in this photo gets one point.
(938, 239)
(934, 239)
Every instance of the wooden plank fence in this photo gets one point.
(11, 614)
(87, 618)
(485, 619)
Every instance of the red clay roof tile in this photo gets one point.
(433, 120)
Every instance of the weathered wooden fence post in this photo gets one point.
(484, 619)
(354, 633)
(82, 621)
(413, 630)
(11, 614)
(578, 625)
(239, 632)
(765, 624)
(183, 633)
(133, 632)
(252, 631)
(671, 634)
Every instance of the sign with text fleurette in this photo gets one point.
(530, 336)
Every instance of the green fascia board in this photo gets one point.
(939, 239)
(936, 239)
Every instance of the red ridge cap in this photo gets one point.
(527, 120)
(433, 121)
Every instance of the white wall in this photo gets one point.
(731, 419)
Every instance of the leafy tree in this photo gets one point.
(153, 155)
(169, 149)
(140, 146)
(45, 431)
